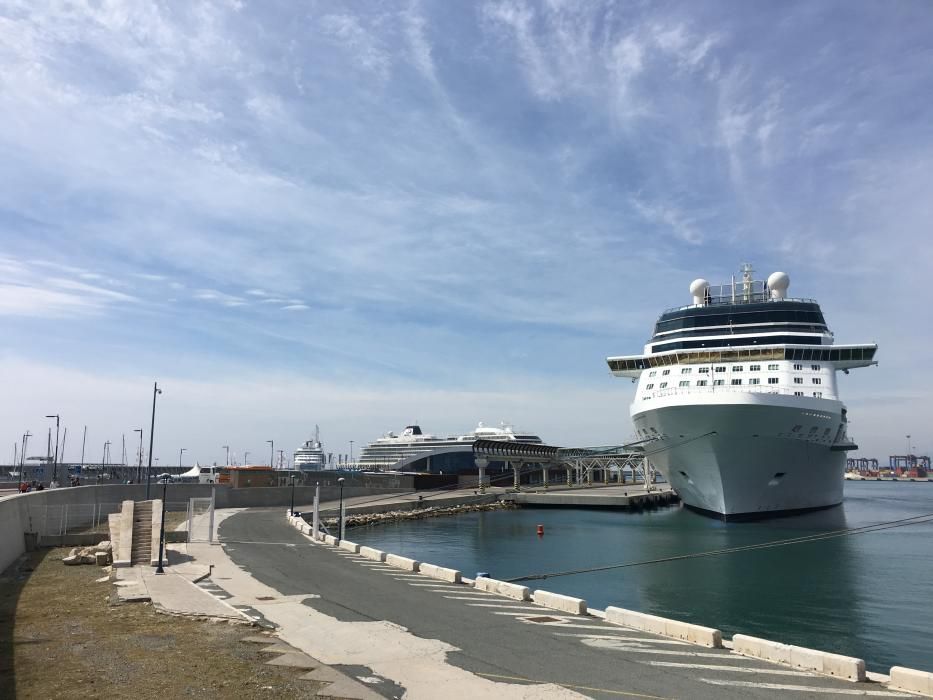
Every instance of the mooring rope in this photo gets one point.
(877, 527)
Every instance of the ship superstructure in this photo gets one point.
(415, 450)
(737, 401)
(310, 456)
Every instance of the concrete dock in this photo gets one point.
(631, 496)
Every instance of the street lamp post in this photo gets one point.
(245, 457)
(139, 466)
(227, 448)
(271, 453)
(164, 478)
(180, 453)
(351, 451)
(340, 511)
(294, 479)
(55, 463)
(155, 391)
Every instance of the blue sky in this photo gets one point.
(361, 214)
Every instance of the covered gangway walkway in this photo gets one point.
(582, 465)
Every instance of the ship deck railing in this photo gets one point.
(744, 389)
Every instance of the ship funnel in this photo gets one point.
(778, 283)
(698, 289)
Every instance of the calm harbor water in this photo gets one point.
(866, 595)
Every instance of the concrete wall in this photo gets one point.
(25, 513)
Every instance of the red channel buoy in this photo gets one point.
(540, 530)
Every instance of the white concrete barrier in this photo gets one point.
(846, 667)
(556, 601)
(695, 634)
(124, 556)
(401, 562)
(330, 539)
(440, 573)
(374, 554)
(510, 590)
(912, 680)
(349, 546)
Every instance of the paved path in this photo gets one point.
(435, 639)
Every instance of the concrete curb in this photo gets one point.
(695, 634)
(911, 680)
(836, 665)
(401, 562)
(557, 601)
(349, 546)
(509, 590)
(374, 554)
(331, 540)
(440, 573)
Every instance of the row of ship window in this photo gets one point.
(735, 368)
(735, 382)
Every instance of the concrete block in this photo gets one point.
(509, 590)
(846, 667)
(911, 680)
(685, 631)
(556, 601)
(331, 540)
(401, 562)
(124, 555)
(440, 573)
(761, 649)
(349, 546)
(374, 554)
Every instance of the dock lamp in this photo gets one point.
(340, 510)
(294, 479)
(155, 392)
(164, 478)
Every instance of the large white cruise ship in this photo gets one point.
(413, 450)
(310, 456)
(737, 402)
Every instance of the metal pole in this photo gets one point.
(340, 511)
(155, 390)
(139, 466)
(271, 453)
(316, 513)
(22, 457)
(55, 465)
(83, 443)
(64, 437)
(292, 511)
(160, 570)
(227, 448)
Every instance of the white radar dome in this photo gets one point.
(698, 289)
(778, 283)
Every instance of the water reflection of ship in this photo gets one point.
(756, 592)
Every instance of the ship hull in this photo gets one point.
(749, 456)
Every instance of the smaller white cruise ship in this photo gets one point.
(414, 450)
(310, 456)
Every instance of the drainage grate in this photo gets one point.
(542, 619)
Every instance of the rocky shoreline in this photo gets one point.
(392, 516)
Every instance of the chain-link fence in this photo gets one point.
(71, 518)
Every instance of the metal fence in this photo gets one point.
(71, 518)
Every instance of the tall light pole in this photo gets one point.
(139, 466)
(103, 460)
(55, 463)
(83, 444)
(180, 452)
(155, 390)
(245, 457)
(351, 451)
(294, 478)
(271, 453)
(227, 448)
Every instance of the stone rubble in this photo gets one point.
(367, 519)
(100, 554)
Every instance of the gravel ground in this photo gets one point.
(61, 638)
